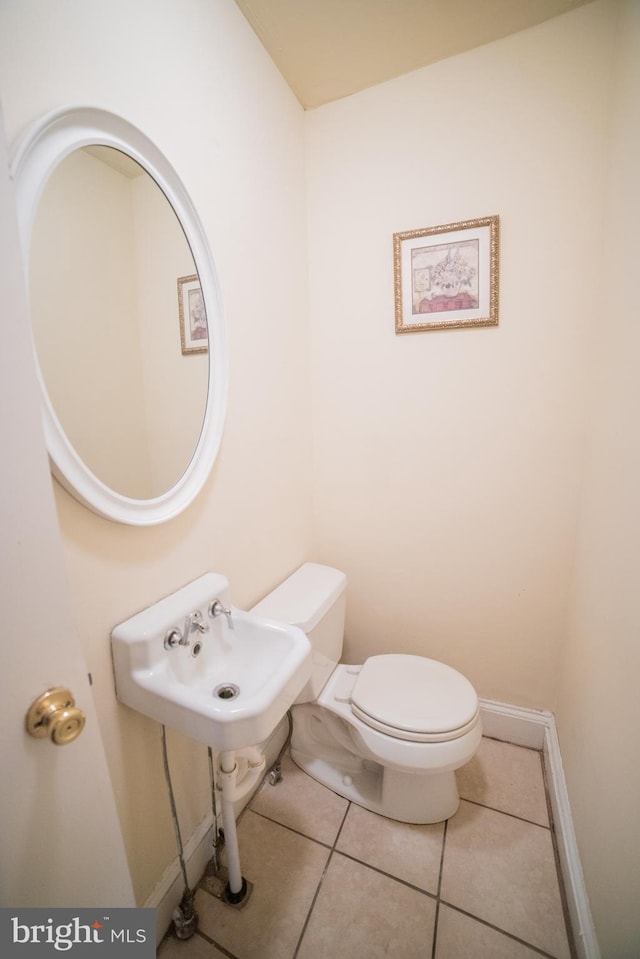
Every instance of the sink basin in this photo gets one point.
(233, 682)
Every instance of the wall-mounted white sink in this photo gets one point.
(225, 678)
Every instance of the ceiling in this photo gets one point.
(328, 49)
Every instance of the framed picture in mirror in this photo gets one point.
(194, 336)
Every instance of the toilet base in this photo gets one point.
(406, 797)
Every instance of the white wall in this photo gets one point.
(447, 465)
(599, 706)
(196, 81)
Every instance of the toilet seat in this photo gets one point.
(414, 698)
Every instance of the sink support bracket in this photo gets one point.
(236, 888)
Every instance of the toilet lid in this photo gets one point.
(415, 698)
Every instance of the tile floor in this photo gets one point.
(332, 880)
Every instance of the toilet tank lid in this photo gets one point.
(304, 597)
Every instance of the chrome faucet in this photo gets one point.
(217, 609)
(176, 638)
(194, 621)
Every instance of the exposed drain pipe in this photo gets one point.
(231, 790)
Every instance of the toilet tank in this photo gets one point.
(313, 598)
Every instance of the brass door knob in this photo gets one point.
(54, 715)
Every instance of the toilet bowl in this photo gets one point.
(388, 734)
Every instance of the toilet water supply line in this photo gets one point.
(218, 834)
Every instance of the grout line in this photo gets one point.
(437, 914)
(313, 905)
(341, 827)
(490, 925)
(444, 840)
(319, 887)
(212, 942)
(297, 832)
(388, 875)
(512, 815)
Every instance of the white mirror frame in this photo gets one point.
(53, 138)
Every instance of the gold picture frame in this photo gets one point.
(194, 333)
(446, 277)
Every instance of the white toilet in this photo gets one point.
(387, 735)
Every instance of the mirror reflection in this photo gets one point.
(118, 320)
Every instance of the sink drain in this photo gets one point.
(226, 691)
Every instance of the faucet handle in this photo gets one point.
(196, 622)
(173, 638)
(193, 622)
(176, 638)
(218, 609)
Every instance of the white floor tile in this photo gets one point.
(375, 894)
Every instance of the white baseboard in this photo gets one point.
(514, 724)
(536, 729)
(577, 900)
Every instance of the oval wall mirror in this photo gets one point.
(126, 316)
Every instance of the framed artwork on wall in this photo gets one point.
(446, 277)
(194, 335)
